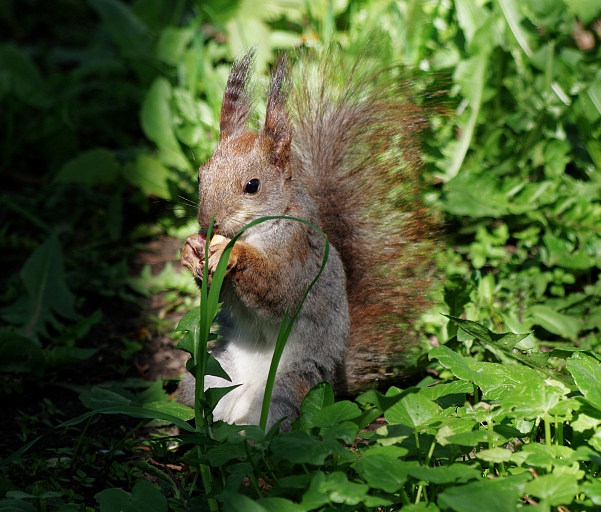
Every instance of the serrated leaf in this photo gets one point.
(47, 294)
(456, 294)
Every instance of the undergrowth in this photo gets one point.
(108, 106)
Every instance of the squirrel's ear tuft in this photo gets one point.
(236, 107)
(277, 129)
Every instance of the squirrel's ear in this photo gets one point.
(236, 107)
(276, 129)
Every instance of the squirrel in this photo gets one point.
(332, 154)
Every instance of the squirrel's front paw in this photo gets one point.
(193, 254)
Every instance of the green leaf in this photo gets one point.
(499, 495)
(316, 399)
(173, 408)
(144, 496)
(382, 471)
(554, 489)
(7, 505)
(99, 398)
(19, 75)
(214, 395)
(456, 473)
(301, 448)
(173, 43)
(157, 124)
(587, 374)
(46, 291)
(494, 455)
(94, 167)
(336, 413)
(339, 490)
(19, 354)
(278, 505)
(586, 10)
(514, 18)
(554, 322)
(149, 175)
(414, 410)
(456, 295)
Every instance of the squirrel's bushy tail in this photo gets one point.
(356, 134)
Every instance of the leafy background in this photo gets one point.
(107, 109)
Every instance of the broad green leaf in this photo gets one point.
(587, 375)
(336, 413)
(316, 399)
(421, 507)
(301, 448)
(554, 322)
(144, 496)
(149, 175)
(99, 398)
(494, 455)
(554, 489)
(475, 437)
(233, 502)
(346, 432)
(499, 495)
(225, 452)
(586, 10)
(9, 505)
(173, 43)
(278, 505)
(157, 124)
(592, 489)
(340, 490)
(456, 473)
(382, 471)
(437, 391)
(94, 167)
(414, 410)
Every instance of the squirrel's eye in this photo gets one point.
(252, 187)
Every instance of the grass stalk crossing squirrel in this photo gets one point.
(336, 143)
